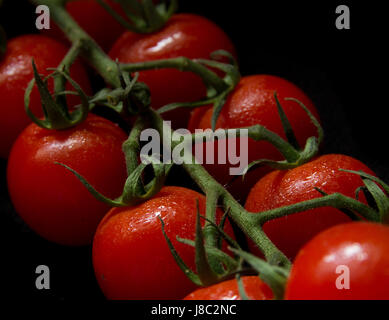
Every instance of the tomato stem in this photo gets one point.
(107, 68)
(211, 187)
(209, 77)
(144, 16)
(212, 197)
(56, 114)
(257, 133)
(91, 52)
(131, 146)
(274, 276)
(335, 200)
(218, 88)
(60, 80)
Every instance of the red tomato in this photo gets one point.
(49, 198)
(130, 255)
(15, 74)
(252, 102)
(186, 35)
(228, 290)
(346, 262)
(282, 188)
(95, 21)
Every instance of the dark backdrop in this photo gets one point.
(343, 71)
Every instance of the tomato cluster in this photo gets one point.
(138, 247)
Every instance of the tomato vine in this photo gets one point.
(127, 96)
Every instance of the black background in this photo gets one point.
(343, 71)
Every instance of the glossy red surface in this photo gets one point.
(94, 20)
(130, 255)
(282, 188)
(252, 102)
(15, 74)
(228, 290)
(49, 198)
(351, 256)
(186, 35)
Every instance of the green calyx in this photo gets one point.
(376, 190)
(131, 99)
(56, 115)
(218, 88)
(290, 149)
(135, 190)
(143, 16)
(275, 277)
(212, 263)
(55, 109)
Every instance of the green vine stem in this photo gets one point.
(182, 64)
(55, 110)
(56, 115)
(90, 50)
(215, 192)
(249, 222)
(131, 146)
(59, 80)
(256, 132)
(274, 276)
(107, 67)
(335, 200)
(144, 16)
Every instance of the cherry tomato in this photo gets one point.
(252, 102)
(49, 198)
(346, 262)
(282, 188)
(130, 255)
(186, 35)
(16, 73)
(95, 21)
(228, 290)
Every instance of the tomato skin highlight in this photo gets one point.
(252, 102)
(282, 188)
(49, 198)
(254, 287)
(15, 74)
(185, 35)
(131, 258)
(94, 20)
(361, 247)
